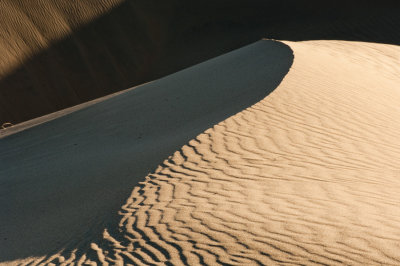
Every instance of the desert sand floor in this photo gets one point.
(306, 175)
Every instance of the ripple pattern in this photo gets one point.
(307, 176)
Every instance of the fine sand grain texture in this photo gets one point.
(58, 54)
(307, 175)
(63, 182)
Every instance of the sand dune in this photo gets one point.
(307, 175)
(57, 54)
(63, 182)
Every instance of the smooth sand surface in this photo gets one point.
(307, 175)
(58, 54)
(46, 118)
(63, 182)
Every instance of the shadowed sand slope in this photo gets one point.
(28, 26)
(56, 54)
(63, 182)
(308, 175)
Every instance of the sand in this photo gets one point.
(71, 175)
(219, 171)
(309, 175)
(58, 54)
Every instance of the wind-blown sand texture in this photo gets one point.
(307, 175)
(78, 170)
(57, 54)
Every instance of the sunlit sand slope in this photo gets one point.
(63, 182)
(57, 54)
(308, 175)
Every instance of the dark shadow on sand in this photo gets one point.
(140, 41)
(87, 162)
(63, 182)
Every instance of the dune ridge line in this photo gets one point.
(71, 175)
(308, 175)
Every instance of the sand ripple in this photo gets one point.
(309, 175)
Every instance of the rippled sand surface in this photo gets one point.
(305, 175)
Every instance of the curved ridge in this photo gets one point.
(305, 176)
(71, 175)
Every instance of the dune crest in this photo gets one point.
(71, 174)
(57, 54)
(308, 175)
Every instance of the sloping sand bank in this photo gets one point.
(58, 54)
(308, 175)
(63, 182)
